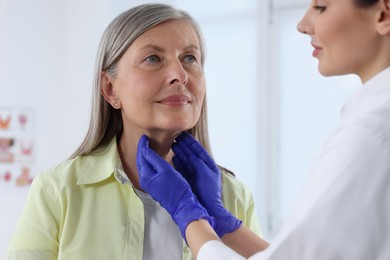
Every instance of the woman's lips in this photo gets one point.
(316, 50)
(175, 100)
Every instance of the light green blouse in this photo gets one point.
(82, 209)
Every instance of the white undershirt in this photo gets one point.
(162, 238)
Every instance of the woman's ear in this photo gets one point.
(383, 21)
(107, 89)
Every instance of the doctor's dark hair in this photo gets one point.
(106, 122)
(365, 3)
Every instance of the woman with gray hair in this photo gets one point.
(149, 80)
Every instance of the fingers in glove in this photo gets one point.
(140, 159)
(181, 167)
(155, 160)
(182, 161)
(194, 150)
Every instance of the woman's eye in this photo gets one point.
(190, 59)
(153, 59)
(319, 8)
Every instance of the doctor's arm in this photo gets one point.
(205, 243)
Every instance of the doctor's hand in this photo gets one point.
(168, 187)
(204, 177)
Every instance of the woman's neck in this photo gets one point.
(127, 148)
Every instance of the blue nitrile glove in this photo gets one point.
(158, 178)
(204, 177)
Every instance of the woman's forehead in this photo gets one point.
(177, 31)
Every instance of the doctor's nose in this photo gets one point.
(303, 29)
(304, 26)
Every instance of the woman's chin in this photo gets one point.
(172, 130)
(178, 126)
(328, 71)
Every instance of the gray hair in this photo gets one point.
(106, 122)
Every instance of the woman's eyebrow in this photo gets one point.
(192, 47)
(154, 47)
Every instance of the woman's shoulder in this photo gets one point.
(84, 169)
(233, 187)
(230, 179)
(61, 173)
(239, 200)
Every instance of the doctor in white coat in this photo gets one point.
(344, 209)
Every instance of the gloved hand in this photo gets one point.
(204, 177)
(168, 187)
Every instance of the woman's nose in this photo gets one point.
(177, 74)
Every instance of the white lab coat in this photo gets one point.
(344, 210)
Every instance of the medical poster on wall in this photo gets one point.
(17, 146)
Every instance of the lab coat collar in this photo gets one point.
(373, 94)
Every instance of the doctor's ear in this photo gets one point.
(383, 21)
(107, 89)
